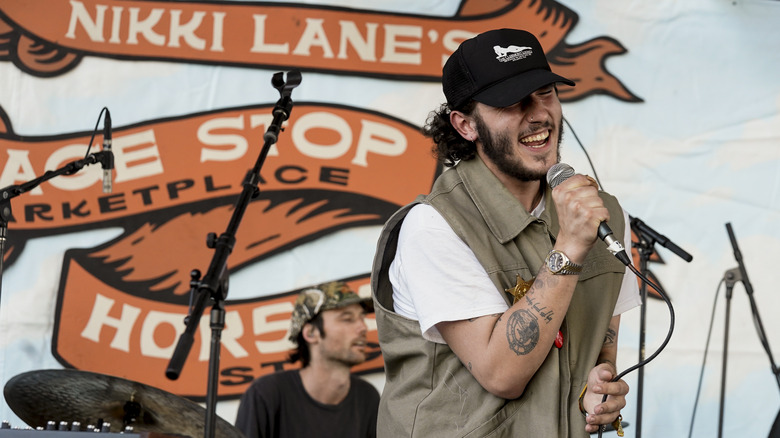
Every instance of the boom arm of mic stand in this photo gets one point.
(14, 190)
(223, 246)
(753, 307)
(214, 283)
(642, 228)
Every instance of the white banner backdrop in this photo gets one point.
(700, 150)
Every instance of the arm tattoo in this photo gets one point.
(609, 339)
(542, 283)
(522, 332)
(547, 316)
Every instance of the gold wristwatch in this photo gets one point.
(559, 264)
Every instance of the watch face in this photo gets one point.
(556, 261)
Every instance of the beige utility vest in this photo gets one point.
(428, 392)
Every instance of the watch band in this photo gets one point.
(571, 269)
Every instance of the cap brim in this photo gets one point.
(512, 90)
(366, 302)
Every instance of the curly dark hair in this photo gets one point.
(449, 146)
(302, 353)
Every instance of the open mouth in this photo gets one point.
(536, 140)
(359, 344)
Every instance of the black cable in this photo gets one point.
(704, 359)
(658, 289)
(94, 131)
(592, 167)
(663, 344)
(668, 334)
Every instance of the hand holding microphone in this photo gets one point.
(560, 173)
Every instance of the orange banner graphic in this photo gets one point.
(101, 329)
(121, 305)
(46, 38)
(179, 161)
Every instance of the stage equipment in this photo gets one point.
(647, 238)
(731, 277)
(214, 285)
(559, 173)
(104, 157)
(76, 400)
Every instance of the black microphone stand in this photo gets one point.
(648, 237)
(731, 277)
(103, 157)
(214, 284)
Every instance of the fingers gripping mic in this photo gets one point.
(561, 172)
(108, 162)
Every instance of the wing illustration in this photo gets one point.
(156, 257)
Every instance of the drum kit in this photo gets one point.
(86, 401)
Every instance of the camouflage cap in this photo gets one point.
(326, 296)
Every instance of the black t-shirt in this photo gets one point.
(277, 405)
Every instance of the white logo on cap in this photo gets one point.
(512, 53)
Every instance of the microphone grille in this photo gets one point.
(559, 173)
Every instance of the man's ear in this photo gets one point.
(310, 332)
(464, 124)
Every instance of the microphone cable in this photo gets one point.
(663, 344)
(704, 359)
(94, 131)
(571, 128)
(660, 291)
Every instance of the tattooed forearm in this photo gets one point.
(522, 332)
(547, 315)
(609, 338)
(544, 282)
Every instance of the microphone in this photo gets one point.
(108, 160)
(645, 231)
(561, 172)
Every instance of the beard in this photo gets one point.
(346, 357)
(499, 148)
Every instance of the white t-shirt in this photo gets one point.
(438, 260)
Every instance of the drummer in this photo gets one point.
(323, 397)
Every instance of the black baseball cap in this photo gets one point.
(498, 68)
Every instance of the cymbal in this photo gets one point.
(37, 397)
